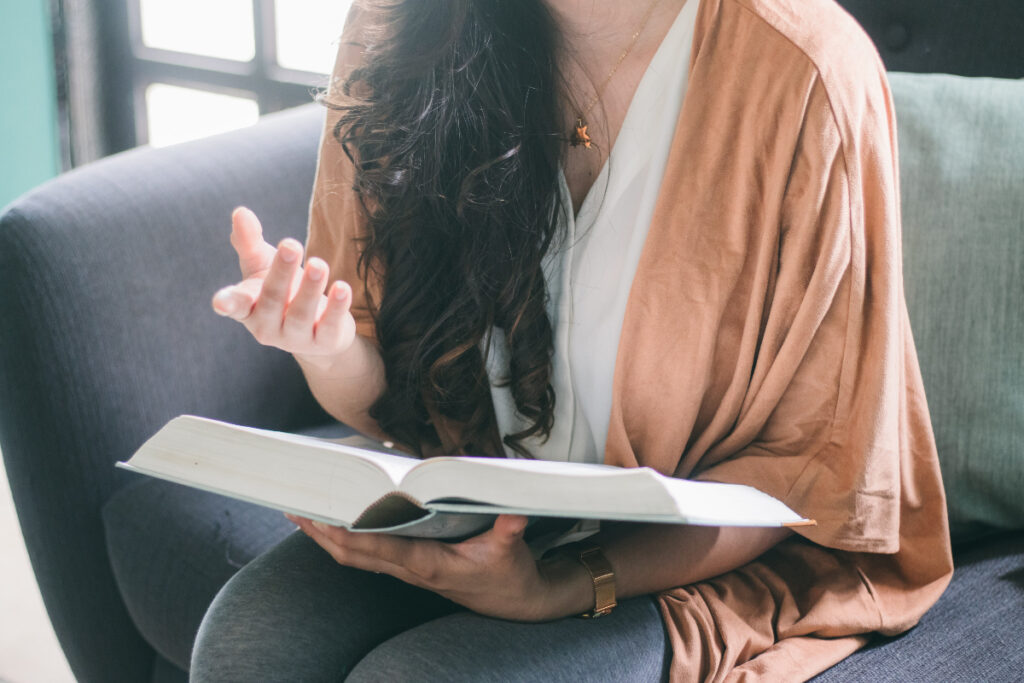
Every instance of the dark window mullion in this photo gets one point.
(133, 26)
(286, 94)
(139, 110)
(114, 30)
(191, 60)
(243, 85)
(278, 87)
(209, 78)
(265, 60)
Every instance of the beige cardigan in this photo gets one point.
(766, 340)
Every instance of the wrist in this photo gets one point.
(320, 364)
(571, 588)
(334, 364)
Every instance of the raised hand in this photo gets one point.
(281, 303)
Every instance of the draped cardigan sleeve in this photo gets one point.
(766, 340)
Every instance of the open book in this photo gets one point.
(448, 497)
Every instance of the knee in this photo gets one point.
(294, 614)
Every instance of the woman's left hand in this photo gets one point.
(493, 573)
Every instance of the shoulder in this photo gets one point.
(821, 29)
(799, 78)
(351, 44)
(824, 34)
(811, 44)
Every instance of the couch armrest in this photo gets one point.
(106, 332)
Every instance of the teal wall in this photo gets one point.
(28, 106)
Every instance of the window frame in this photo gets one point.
(262, 79)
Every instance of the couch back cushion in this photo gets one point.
(961, 148)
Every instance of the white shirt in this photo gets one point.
(589, 278)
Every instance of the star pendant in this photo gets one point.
(580, 137)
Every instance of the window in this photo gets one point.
(198, 67)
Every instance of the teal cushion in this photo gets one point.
(961, 149)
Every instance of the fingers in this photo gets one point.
(268, 314)
(255, 255)
(331, 329)
(287, 308)
(301, 312)
(281, 303)
(361, 551)
(509, 529)
(237, 301)
(394, 550)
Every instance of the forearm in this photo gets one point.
(654, 557)
(346, 385)
(649, 558)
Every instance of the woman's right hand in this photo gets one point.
(283, 304)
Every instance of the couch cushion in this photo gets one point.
(961, 148)
(973, 633)
(173, 547)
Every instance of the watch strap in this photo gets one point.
(601, 573)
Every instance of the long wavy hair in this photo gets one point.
(452, 121)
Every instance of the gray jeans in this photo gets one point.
(293, 614)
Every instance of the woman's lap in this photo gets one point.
(294, 614)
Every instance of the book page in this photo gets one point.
(715, 504)
(339, 484)
(544, 486)
(303, 475)
(574, 490)
(395, 465)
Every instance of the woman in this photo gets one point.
(662, 234)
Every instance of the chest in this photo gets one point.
(582, 165)
(602, 103)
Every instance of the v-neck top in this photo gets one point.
(589, 276)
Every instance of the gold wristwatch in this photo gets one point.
(601, 572)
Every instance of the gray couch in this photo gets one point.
(106, 333)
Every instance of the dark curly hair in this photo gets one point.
(452, 121)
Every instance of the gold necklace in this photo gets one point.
(579, 135)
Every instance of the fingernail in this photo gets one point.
(321, 526)
(339, 292)
(287, 253)
(316, 272)
(222, 303)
